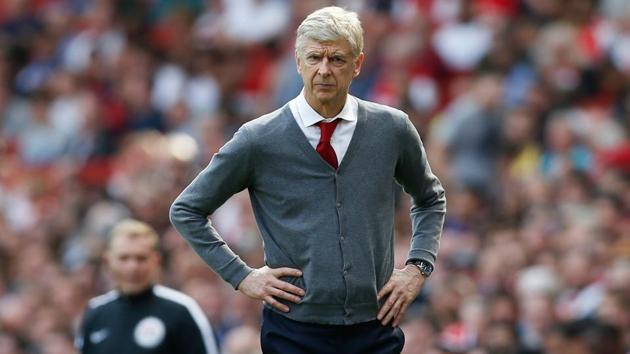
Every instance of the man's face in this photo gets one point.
(327, 69)
(133, 262)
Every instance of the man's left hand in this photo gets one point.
(403, 287)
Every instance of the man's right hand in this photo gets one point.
(265, 284)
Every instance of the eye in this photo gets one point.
(313, 58)
(337, 60)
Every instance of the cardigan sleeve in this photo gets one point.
(228, 172)
(428, 208)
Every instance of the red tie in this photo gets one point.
(323, 147)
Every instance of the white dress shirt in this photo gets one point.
(307, 119)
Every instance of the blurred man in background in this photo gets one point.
(140, 316)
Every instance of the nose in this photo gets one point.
(323, 68)
(132, 265)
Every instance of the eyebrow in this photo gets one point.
(321, 52)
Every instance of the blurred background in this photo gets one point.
(109, 108)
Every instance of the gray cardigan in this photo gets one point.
(337, 226)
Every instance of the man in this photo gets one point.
(140, 316)
(320, 172)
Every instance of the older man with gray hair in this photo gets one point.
(321, 174)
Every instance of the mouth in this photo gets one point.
(321, 85)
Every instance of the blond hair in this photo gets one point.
(133, 229)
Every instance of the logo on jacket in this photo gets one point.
(99, 336)
(149, 332)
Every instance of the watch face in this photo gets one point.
(426, 268)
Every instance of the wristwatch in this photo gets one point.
(425, 267)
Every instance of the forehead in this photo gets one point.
(123, 244)
(340, 46)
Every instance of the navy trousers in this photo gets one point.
(281, 335)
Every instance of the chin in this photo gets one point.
(325, 97)
(133, 290)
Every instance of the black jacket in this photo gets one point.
(158, 320)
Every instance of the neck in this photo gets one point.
(327, 109)
(137, 294)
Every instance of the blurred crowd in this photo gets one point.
(108, 108)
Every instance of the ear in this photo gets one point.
(357, 64)
(298, 63)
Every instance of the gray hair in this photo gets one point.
(329, 24)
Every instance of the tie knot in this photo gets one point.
(327, 129)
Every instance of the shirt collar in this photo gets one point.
(310, 117)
